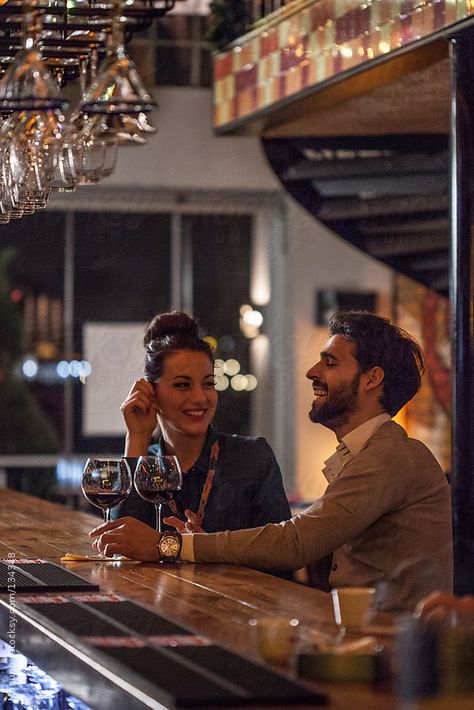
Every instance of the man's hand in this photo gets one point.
(126, 536)
(441, 604)
(191, 525)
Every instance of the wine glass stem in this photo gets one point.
(106, 515)
(158, 517)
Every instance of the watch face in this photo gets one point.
(169, 546)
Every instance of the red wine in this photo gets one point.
(106, 499)
(155, 497)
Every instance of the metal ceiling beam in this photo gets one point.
(400, 143)
(412, 226)
(379, 185)
(395, 244)
(401, 165)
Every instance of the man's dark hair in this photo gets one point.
(380, 343)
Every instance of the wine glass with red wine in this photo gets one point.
(156, 479)
(106, 483)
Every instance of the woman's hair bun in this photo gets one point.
(169, 324)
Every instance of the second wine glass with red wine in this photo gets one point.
(156, 479)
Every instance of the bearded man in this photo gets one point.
(386, 514)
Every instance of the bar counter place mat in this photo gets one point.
(26, 575)
(187, 669)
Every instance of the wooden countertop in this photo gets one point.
(215, 600)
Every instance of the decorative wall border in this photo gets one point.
(291, 52)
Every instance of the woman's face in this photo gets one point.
(185, 393)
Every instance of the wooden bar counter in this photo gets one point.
(217, 601)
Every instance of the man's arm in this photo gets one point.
(358, 497)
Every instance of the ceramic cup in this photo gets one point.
(276, 638)
(352, 606)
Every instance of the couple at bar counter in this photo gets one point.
(386, 513)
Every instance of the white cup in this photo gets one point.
(276, 638)
(352, 606)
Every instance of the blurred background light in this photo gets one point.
(238, 383)
(231, 367)
(253, 318)
(222, 383)
(252, 382)
(218, 367)
(63, 368)
(30, 368)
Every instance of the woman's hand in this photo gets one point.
(191, 525)
(126, 536)
(139, 413)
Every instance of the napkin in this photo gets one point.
(70, 557)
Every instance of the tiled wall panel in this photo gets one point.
(317, 42)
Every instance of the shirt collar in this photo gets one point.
(359, 436)
(351, 444)
(202, 464)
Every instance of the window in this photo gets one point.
(75, 276)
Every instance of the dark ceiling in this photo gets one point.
(386, 194)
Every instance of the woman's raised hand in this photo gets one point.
(191, 525)
(139, 412)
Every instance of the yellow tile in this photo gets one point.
(275, 63)
(462, 9)
(265, 96)
(305, 24)
(312, 77)
(283, 33)
(237, 59)
(229, 90)
(322, 64)
(329, 37)
(219, 90)
(375, 14)
(221, 115)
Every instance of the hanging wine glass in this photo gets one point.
(95, 150)
(118, 87)
(27, 84)
(35, 140)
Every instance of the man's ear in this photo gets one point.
(373, 377)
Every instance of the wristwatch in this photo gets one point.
(169, 546)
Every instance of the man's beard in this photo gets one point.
(339, 404)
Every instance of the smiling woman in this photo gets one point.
(229, 481)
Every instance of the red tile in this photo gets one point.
(407, 7)
(406, 28)
(439, 14)
(321, 12)
(268, 42)
(288, 58)
(222, 66)
(246, 78)
(363, 17)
